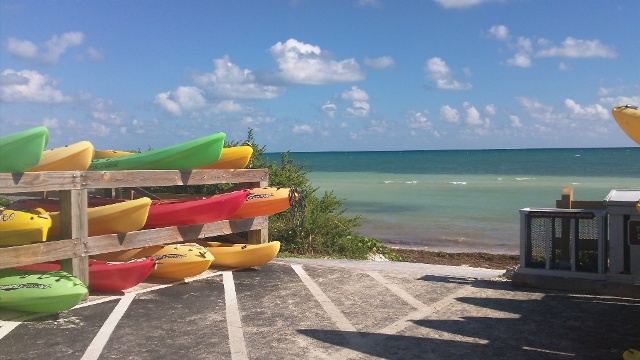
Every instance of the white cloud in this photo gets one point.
(301, 63)
(29, 86)
(538, 110)
(95, 54)
(515, 121)
(383, 62)
(473, 116)
(458, 4)
(302, 129)
(358, 109)
(51, 123)
(50, 52)
(576, 48)
(450, 114)
(183, 98)
(499, 32)
(438, 71)
(359, 102)
(418, 120)
(490, 109)
(595, 111)
(230, 82)
(355, 94)
(330, 109)
(522, 57)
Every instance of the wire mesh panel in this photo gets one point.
(563, 239)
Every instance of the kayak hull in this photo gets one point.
(266, 201)
(33, 291)
(22, 150)
(628, 119)
(106, 276)
(175, 261)
(164, 213)
(74, 157)
(185, 156)
(241, 255)
(23, 227)
(236, 157)
(110, 219)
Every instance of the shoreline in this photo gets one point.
(472, 259)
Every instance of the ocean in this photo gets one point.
(462, 200)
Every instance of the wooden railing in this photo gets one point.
(73, 186)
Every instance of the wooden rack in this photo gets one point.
(73, 187)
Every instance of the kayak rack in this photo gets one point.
(72, 186)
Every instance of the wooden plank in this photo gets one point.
(107, 243)
(41, 252)
(70, 180)
(63, 249)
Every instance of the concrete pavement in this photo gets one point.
(331, 309)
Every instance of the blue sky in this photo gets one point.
(331, 75)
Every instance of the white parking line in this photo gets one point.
(100, 340)
(336, 315)
(234, 324)
(400, 292)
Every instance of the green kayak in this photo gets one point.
(22, 150)
(33, 291)
(184, 156)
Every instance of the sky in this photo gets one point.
(321, 75)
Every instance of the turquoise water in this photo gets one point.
(463, 200)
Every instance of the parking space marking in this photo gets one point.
(400, 292)
(234, 324)
(100, 340)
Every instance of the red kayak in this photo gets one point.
(106, 276)
(163, 213)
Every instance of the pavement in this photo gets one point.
(330, 309)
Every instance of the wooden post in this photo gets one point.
(262, 235)
(561, 250)
(74, 225)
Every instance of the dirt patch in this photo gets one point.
(472, 259)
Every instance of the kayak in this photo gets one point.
(33, 291)
(266, 201)
(184, 156)
(175, 261)
(107, 276)
(628, 119)
(23, 227)
(67, 158)
(106, 154)
(110, 219)
(22, 150)
(164, 213)
(236, 157)
(241, 255)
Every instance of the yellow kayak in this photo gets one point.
(175, 261)
(67, 158)
(108, 154)
(628, 119)
(241, 255)
(236, 157)
(23, 227)
(110, 219)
